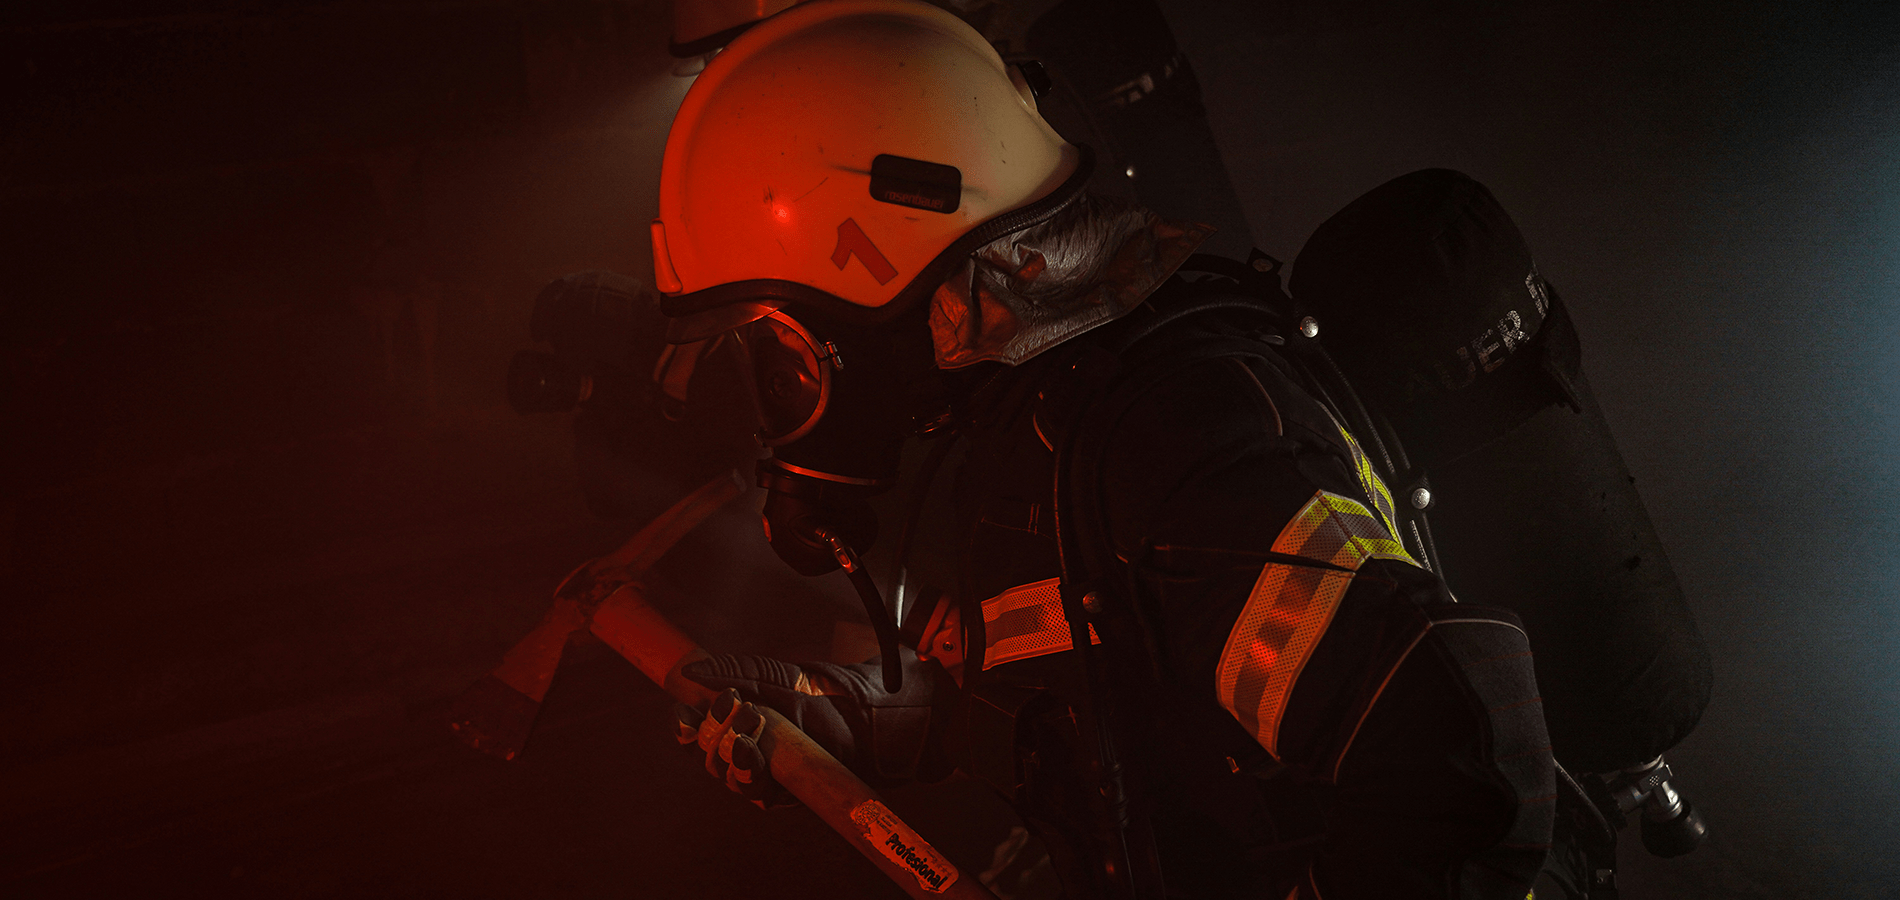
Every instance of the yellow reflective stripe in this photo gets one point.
(1370, 480)
(1292, 605)
(1025, 622)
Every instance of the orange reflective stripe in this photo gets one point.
(1292, 605)
(1025, 622)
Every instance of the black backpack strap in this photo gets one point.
(1133, 868)
(1256, 285)
(1098, 386)
(1489, 646)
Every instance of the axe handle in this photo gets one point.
(638, 632)
(650, 543)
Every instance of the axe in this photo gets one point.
(496, 714)
(849, 806)
(509, 697)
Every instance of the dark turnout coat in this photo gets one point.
(1299, 704)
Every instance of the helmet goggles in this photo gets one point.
(788, 372)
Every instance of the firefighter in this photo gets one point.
(1272, 696)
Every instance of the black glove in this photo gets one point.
(728, 731)
(883, 738)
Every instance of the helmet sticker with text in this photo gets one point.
(916, 184)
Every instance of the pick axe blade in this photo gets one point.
(496, 714)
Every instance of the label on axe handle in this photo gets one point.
(902, 846)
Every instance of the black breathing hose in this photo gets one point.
(873, 607)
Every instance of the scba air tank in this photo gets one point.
(1436, 314)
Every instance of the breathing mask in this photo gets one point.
(835, 400)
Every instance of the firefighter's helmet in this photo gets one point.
(847, 154)
(703, 26)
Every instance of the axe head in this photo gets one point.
(497, 712)
(494, 718)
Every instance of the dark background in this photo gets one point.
(263, 509)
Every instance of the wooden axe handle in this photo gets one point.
(638, 632)
(650, 543)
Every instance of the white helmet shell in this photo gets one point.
(841, 151)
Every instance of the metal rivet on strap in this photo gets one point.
(1421, 498)
(1092, 603)
(1309, 326)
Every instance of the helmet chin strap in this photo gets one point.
(873, 607)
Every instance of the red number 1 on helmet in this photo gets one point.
(852, 239)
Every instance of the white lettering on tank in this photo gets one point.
(1511, 329)
(1538, 295)
(1470, 373)
(1484, 351)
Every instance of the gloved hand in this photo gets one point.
(883, 738)
(728, 732)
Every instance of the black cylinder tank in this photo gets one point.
(1433, 309)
